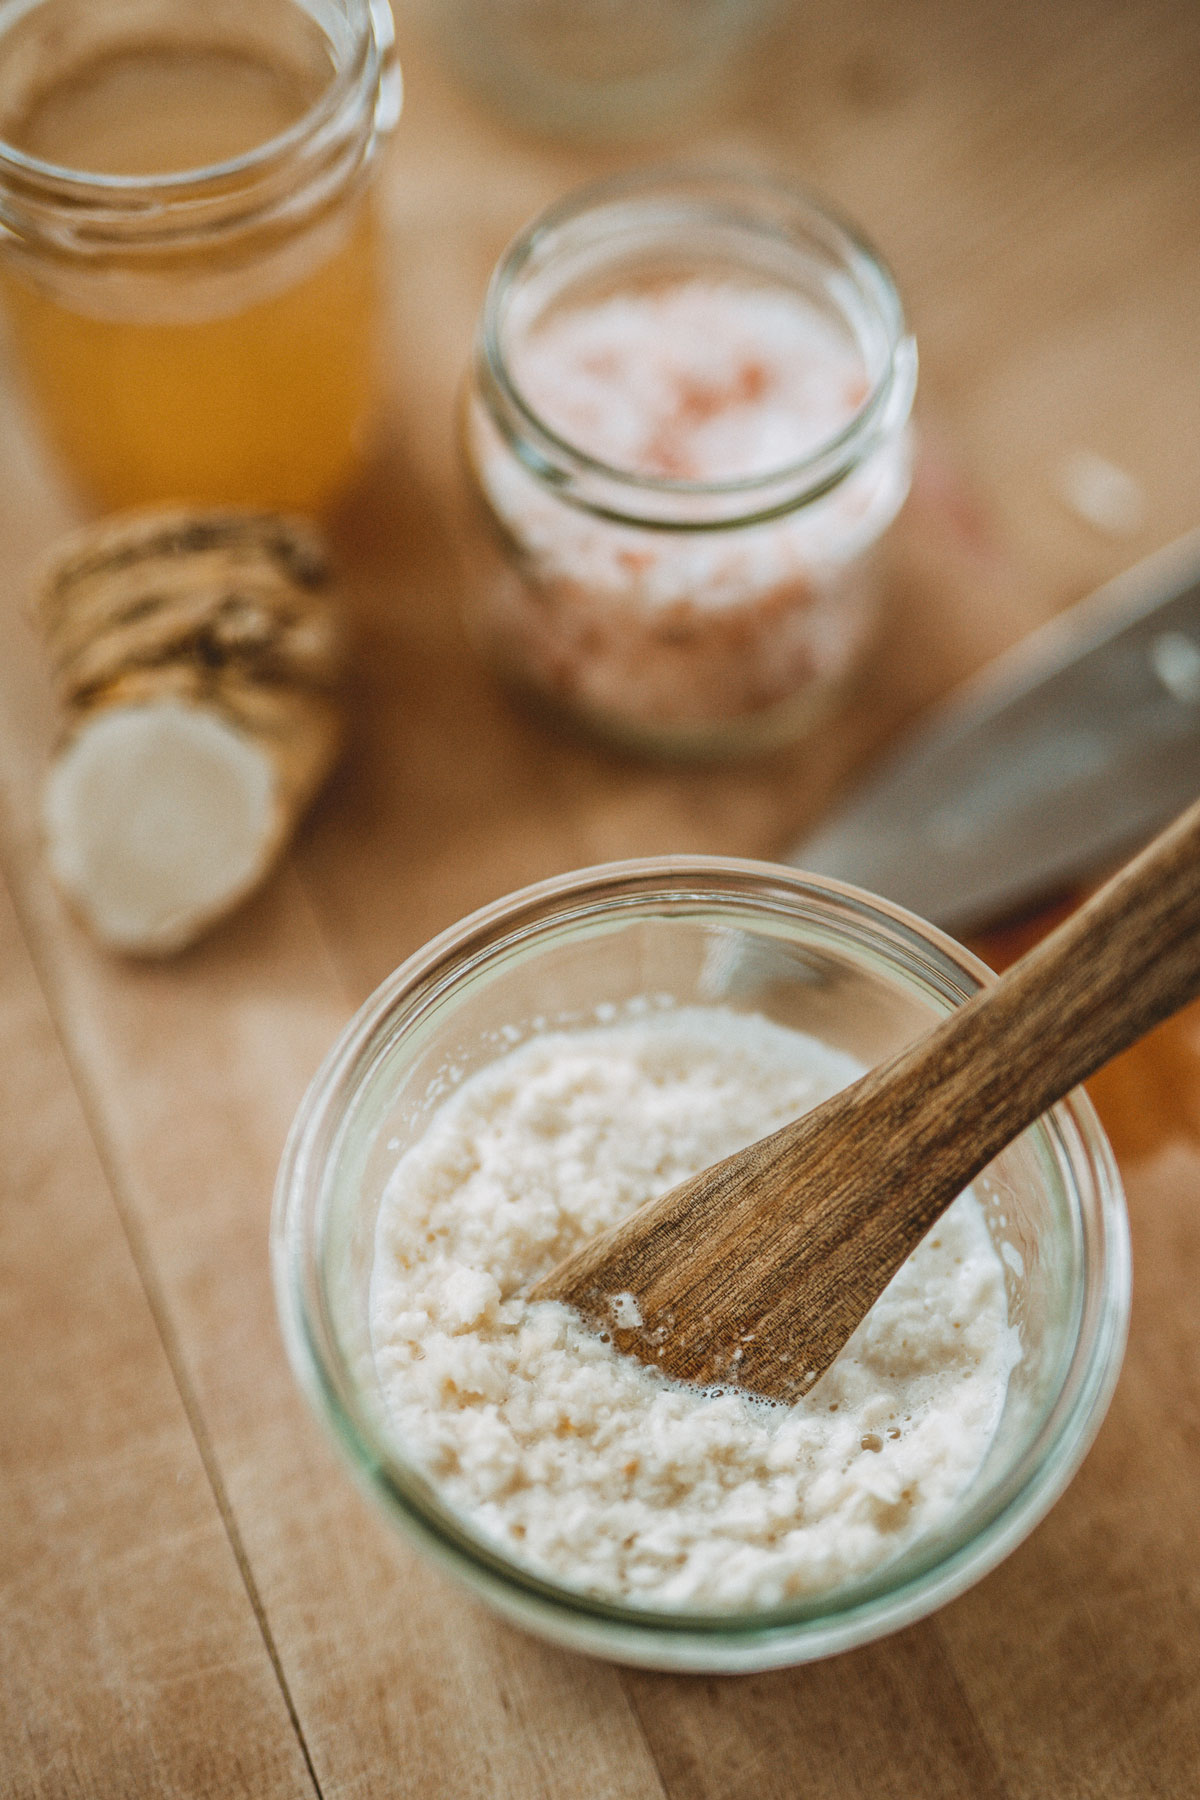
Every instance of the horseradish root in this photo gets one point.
(194, 654)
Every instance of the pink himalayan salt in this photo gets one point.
(662, 634)
(698, 382)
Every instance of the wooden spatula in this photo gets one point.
(755, 1272)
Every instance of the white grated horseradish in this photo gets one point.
(588, 1467)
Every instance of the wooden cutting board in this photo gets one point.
(193, 1601)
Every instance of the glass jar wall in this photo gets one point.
(686, 429)
(187, 239)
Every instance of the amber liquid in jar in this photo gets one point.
(238, 389)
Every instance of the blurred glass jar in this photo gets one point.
(688, 613)
(187, 240)
(599, 68)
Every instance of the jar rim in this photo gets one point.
(370, 67)
(986, 1530)
(762, 206)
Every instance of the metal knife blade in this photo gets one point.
(1061, 755)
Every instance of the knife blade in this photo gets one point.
(1060, 756)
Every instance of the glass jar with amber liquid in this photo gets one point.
(188, 242)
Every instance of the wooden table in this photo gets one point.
(194, 1601)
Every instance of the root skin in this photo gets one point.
(214, 630)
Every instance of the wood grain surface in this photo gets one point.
(193, 1599)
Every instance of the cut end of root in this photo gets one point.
(196, 656)
(159, 819)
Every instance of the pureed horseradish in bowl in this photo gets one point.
(686, 430)
(552, 1061)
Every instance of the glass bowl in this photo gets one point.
(814, 955)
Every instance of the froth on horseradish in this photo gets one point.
(593, 1470)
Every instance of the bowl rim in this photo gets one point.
(858, 1612)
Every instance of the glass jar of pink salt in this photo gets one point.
(687, 427)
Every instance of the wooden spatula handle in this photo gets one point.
(858, 1182)
(1127, 959)
(764, 1264)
